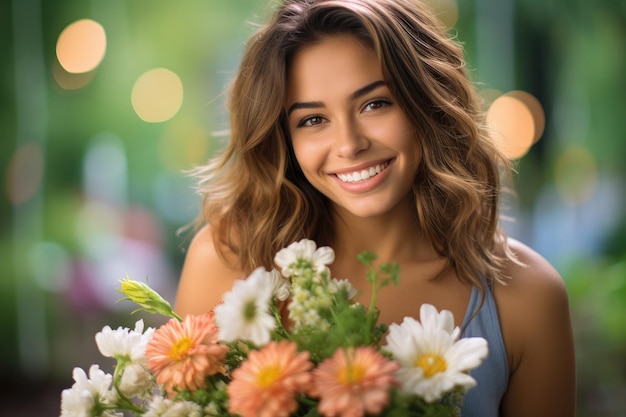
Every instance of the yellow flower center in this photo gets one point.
(351, 374)
(431, 364)
(267, 376)
(180, 348)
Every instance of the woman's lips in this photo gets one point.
(363, 174)
(361, 180)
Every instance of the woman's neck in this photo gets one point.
(395, 236)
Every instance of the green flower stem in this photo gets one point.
(99, 408)
(367, 258)
(176, 316)
(281, 330)
(370, 315)
(124, 402)
(307, 401)
(128, 405)
(392, 276)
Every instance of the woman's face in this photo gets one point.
(353, 142)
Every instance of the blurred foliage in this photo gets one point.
(568, 53)
(597, 289)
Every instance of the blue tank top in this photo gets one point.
(492, 375)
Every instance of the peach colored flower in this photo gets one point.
(183, 354)
(266, 384)
(353, 382)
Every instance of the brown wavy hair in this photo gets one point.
(256, 198)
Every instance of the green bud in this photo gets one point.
(148, 299)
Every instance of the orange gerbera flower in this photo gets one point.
(183, 354)
(353, 381)
(266, 384)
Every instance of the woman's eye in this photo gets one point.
(376, 104)
(311, 121)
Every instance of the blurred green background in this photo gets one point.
(97, 129)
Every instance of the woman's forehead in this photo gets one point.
(336, 65)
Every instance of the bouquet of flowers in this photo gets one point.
(328, 357)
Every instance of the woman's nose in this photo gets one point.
(349, 139)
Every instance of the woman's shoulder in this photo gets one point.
(533, 309)
(532, 271)
(209, 271)
(533, 281)
(531, 301)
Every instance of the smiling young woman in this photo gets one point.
(344, 123)
(354, 124)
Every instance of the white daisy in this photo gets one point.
(433, 359)
(136, 381)
(281, 288)
(302, 255)
(432, 319)
(163, 407)
(337, 285)
(88, 395)
(123, 343)
(245, 313)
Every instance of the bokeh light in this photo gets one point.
(536, 111)
(518, 121)
(576, 174)
(24, 173)
(157, 95)
(70, 81)
(81, 46)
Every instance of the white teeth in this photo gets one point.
(364, 174)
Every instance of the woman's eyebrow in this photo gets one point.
(304, 105)
(364, 90)
(317, 104)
